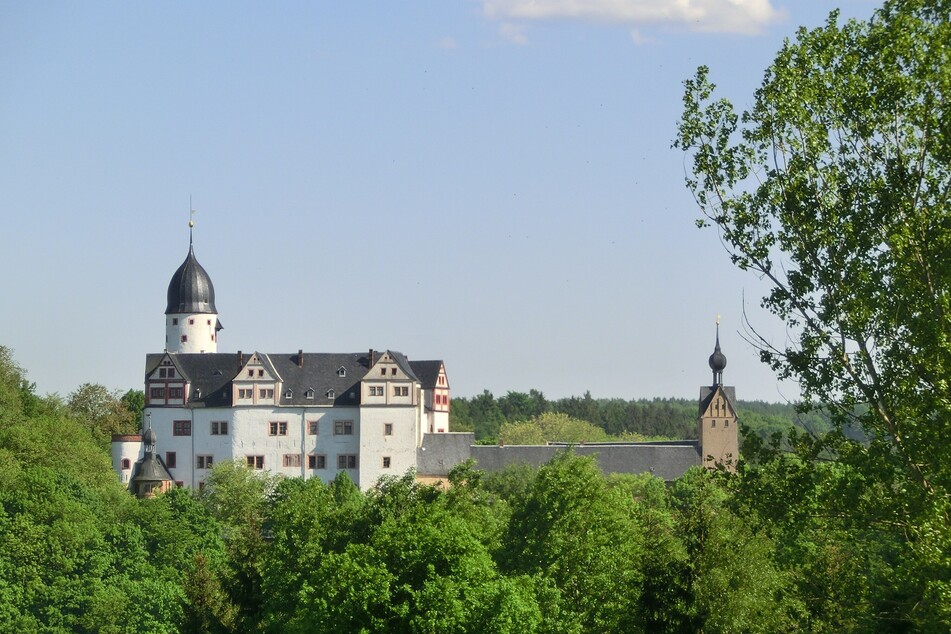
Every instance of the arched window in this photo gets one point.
(126, 463)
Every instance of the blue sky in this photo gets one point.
(488, 183)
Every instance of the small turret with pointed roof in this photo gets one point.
(191, 318)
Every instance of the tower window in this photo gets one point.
(387, 429)
(209, 322)
(386, 462)
(126, 463)
(191, 322)
(184, 338)
(174, 321)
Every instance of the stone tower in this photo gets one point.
(717, 430)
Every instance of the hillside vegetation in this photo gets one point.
(558, 549)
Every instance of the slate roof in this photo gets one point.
(707, 393)
(211, 374)
(427, 372)
(150, 469)
(191, 290)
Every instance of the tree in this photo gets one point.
(103, 410)
(834, 187)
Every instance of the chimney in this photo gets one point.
(370, 356)
(300, 358)
(240, 359)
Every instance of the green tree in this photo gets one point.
(103, 410)
(834, 187)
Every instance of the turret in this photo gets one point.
(191, 318)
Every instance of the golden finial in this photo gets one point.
(718, 320)
(191, 213)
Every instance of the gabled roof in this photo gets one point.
(402, 362)
(265, 361)
(319, 373)
(707, 394)
(209, 373)
(427, 372)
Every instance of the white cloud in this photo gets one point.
(514, 33)
(724, 16)
(447, 42)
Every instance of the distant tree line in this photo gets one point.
(667, 418)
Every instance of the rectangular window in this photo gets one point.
(179, 483)
(157, 393)
(260, 372)
(382, 371)
(386, 462)
(244, 393)
(347, 461)
(317, 461)
(277, 428)
(191, 322)
(267, 394)
(250, 372)
(387, 429)
(176, 392)
(171, 460)
(184, 338)
(219, 428)
(256, 462)
(401, 390)
(161, 373)
(182, 428)
(313, 427)
(343, 428)
(204, 462)
(174, 321)
(292, 460)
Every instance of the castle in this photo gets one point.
(368, 414)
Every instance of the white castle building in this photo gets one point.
(367, 414)
(297, 414)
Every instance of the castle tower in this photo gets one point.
(717, 431)
(191, 319)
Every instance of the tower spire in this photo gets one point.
(717, 359)
(191, 221)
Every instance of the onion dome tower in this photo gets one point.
(191, 318)
(717, 360)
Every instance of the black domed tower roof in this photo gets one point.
(717, 360)
(191, 290)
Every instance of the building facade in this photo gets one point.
(296, 414)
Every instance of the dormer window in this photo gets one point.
(289, 394)
(341, 371)
(310, 393)
(331, 394)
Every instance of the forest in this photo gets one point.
(514, 418)
(558, 549)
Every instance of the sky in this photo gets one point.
(490, 183)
